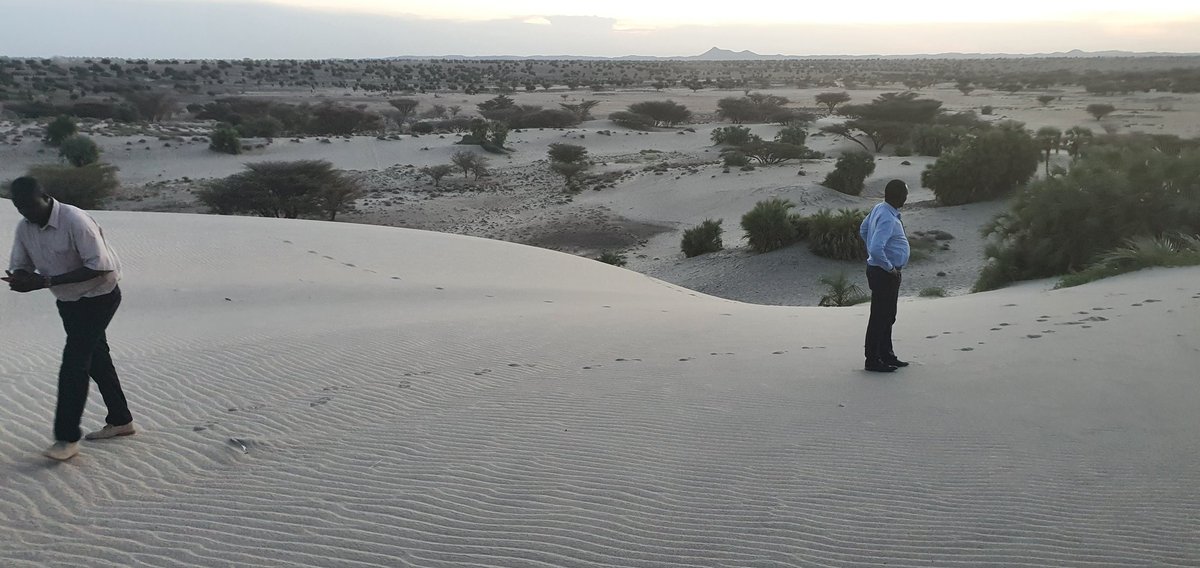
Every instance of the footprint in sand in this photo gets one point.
(685, 359)
(966, 349)
(288, 242)
(994, 329)
(778, 352)
(312, 252)
(403, 385)
(348, 264)
(931, 337)
(1033, 336)
(482, 372)
(320, 401)
(327, 257)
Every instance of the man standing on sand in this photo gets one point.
(60, 247)
(887, 253)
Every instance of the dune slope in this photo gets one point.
(318, 394)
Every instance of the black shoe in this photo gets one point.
(895, 362)
(879, 367)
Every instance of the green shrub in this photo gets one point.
(934, 139)
(933, 292)
(1111, 194)
(422, 127)
(613, 258)
(733, 135)
(85, 187)
(835, 235)
(703, 238)
(987, 167)
(795, 135)
(79, 150)
(987, 110)
(1138, 253)
(60, 129)
(903, 151)
(734, 159)
(841, 292)
(567, 153)
(850, 172)
(225, 140)
(768, 226)
(260, 127)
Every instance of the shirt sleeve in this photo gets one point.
(89, 243)
(20, 259)
(877, 245)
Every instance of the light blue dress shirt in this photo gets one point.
(887, 245)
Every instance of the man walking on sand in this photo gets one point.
(60, 247)
(887, 253)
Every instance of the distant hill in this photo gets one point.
(718, 54)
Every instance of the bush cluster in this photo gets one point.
(703, 238)
(850, 172)
(1114, 192)
(85, 187)
(986, 167)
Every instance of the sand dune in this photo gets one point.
(319, 394)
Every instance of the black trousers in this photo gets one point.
(885, 293)
(86, 355)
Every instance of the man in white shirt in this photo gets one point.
(60, 247)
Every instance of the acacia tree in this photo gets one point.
(832, 100)
(1100, 110)
(291, 190)
(404, 108)
(568, 161)
(890, 118)
(663, 113)
(464, 160)
(436, 173)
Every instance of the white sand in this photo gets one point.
(501, 405)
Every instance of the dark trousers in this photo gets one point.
(885, 293)
(86, 355)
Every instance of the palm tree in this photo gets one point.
(841, 292)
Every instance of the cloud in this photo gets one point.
(201, 29)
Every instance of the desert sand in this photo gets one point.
(331, 394)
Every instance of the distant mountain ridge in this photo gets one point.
(718, 54)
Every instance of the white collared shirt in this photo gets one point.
(70, 240)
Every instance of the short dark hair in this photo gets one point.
(26, 186)
(894, 189)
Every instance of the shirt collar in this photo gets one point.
(893, 210)
(54, 209)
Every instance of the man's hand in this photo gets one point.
(23, 281)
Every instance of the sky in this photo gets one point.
(607, 28)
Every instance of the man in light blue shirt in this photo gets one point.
(887, 253)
